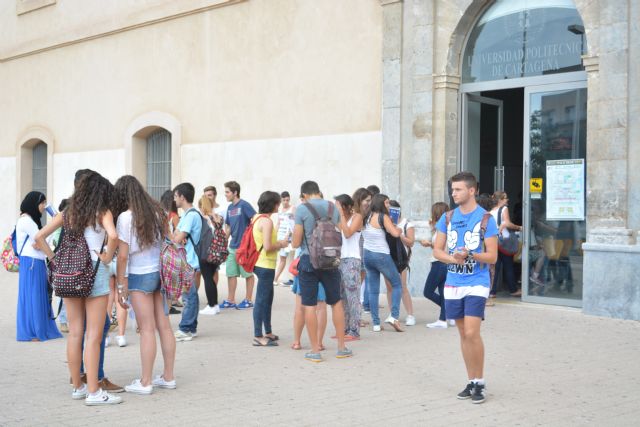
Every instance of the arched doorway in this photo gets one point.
(523, 98)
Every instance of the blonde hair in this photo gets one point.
(205, 205)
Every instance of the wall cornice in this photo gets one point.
(169, 11)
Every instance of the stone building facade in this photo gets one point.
(423, 126)
(399, 92)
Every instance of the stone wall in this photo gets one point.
(421, 147)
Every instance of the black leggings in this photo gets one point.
(210, 288)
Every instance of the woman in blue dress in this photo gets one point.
(34, 318)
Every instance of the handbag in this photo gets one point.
(507, 245)
(293, 267)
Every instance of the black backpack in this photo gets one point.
(206, 237)
(396, 248)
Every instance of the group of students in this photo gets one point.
(115, 219)
(124, 219)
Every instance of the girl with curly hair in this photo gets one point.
(88, 213)
(142, 225)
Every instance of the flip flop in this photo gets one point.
(273, 338)
(269, 343)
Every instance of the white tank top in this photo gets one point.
(375, 239)
(351, 245)
(95, 239)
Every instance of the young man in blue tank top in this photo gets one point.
(467, 242)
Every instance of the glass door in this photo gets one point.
(482, 141)
(555, 201)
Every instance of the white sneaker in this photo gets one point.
(451, 322)
(389, 319)
(160, 382)
(183, 336)
(438, 324)
(79, 393)
(194, 334)
(136, 387)
(107, 341)
(101, 397)
(121, 340)
(410, 320)
(210, 311)
(376, 328)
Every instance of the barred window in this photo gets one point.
(158, 163)
(39, 168)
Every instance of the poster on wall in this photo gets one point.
(565, 190)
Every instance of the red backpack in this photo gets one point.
(247, 254)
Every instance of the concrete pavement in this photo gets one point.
(544, 366)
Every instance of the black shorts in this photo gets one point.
(308, 277)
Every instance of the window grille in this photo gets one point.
(39, 168)
(158, 163)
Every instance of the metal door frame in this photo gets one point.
(526, 205)
(466, 97)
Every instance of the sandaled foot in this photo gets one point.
(296, 346)
(273, 337)
(264, 342)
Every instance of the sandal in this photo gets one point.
(296, 346)
(273, 337)
(269, 343)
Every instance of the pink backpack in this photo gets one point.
(176, 275)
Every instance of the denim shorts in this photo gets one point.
(296, 289)
(101, 282)
(147, 283)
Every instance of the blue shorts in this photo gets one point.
(147, 283)
(296, 289)
(461, 301)
(101, 282)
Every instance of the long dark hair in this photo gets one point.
(167, 202)
(30, 205)
(149, 219)
(378, 206)
(90, 200)
(346, 202)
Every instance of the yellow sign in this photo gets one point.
(535, 185)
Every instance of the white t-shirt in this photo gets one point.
(409, 225)
(141, 261)
(494, 214)
(95, 238)
(26, 227)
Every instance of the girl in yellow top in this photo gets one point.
(264, 234)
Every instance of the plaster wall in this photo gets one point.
(254, 70)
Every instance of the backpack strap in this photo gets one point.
(253, 221)
(23, 244)
(189, 234)
(95, 271)
(313, 211)
(500, 215)
(483, 229)
(448, 216)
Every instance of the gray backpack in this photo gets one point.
(326, 240)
